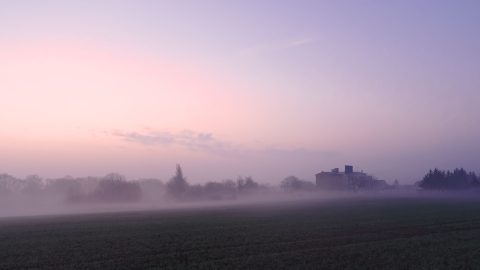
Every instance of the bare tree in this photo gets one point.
(33, 185)
(293, 183)
(247, 184)
(114, 188)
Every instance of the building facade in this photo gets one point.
(348, 180)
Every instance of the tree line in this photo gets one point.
(458, 179)
(114, 187)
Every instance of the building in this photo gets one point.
(348, 180)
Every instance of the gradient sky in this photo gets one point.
(230, 88)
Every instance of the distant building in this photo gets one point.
(348, 180)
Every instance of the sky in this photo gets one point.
(254, 88)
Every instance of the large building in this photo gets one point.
(347, 180)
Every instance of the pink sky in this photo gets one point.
(87, 88)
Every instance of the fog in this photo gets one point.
(34, 195)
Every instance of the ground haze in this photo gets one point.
(383, 233)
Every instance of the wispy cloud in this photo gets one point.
(299, 42)
(197, 141)
(208, 143)
(277, 46)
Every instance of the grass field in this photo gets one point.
(400, 233)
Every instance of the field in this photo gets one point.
(375, 233)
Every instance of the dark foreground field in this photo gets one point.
(336, 234)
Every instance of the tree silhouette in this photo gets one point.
(247, 184)
(114, 188)
(293, 183)
(178, 185)
(446, 180)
